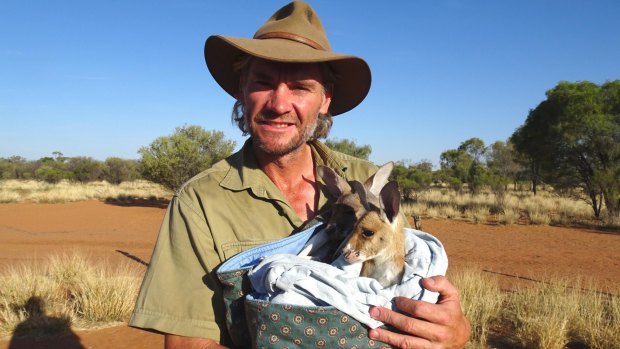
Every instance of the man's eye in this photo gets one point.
(301, 87)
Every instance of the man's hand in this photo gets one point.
(430, 326)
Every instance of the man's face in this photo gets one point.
(282, 103)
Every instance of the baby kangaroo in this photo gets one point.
(348, 208)
(378, 239)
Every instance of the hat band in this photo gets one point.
(291, 36)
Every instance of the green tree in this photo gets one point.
(454, 167)
(85, 169)
(52, 169)
(413, 178)
(24, 169)
(464, 165)
(7, 169)
(572, 139)
(172, 160)
(349, 147)
(477, 176)
(502, 163)
(117, 170)
(51, 174)
(474, 147)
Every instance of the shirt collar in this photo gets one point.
(244, 172)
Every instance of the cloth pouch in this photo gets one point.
(271, 302)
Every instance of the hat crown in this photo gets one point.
(293, 34)
(296, 21)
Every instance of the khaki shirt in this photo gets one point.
(224, 210)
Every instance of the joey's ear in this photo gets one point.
(359, 189)
(336, 185)
(390, 200)
(377, 181)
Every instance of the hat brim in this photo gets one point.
(352, 74)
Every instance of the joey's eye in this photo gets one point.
(368, 233)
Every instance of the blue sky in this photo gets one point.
(103, 78)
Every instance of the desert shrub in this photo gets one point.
(476, 215)
(68, 289)
(16, 167)
(413, 178)
(544, 208)
(119, 170)
(85, 169)
(509, 216)
(597, 322)
(414, 209)
(65, 191)
(481, 300)
(51, 174)
(541, 316)
(21, 285)
(105, 295)
(539, 218)
(554, 313)
(7, 196)
(449, 212)
(7, 169)
(349, 147)
(172, 160)
(432, 212)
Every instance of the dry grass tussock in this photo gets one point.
(67, 292)
(549, 315)
(512, 207)
(14, 191)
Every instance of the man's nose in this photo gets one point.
(280, 99)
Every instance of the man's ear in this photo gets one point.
(240, 95)
(327, 99)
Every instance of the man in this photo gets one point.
(288, 84)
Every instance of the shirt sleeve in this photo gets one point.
(180, 294)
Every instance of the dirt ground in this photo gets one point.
(516, 254)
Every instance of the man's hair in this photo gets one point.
(324, 121)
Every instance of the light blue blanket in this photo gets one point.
(283, 277)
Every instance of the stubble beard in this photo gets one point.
(277, 149)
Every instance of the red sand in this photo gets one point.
(517, 254)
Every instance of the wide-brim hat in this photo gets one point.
(294, 34)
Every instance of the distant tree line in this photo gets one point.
(472, 166)
(570, 141)
(55, 168)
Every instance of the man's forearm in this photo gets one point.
(178, 342)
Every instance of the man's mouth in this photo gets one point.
(276, 124)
